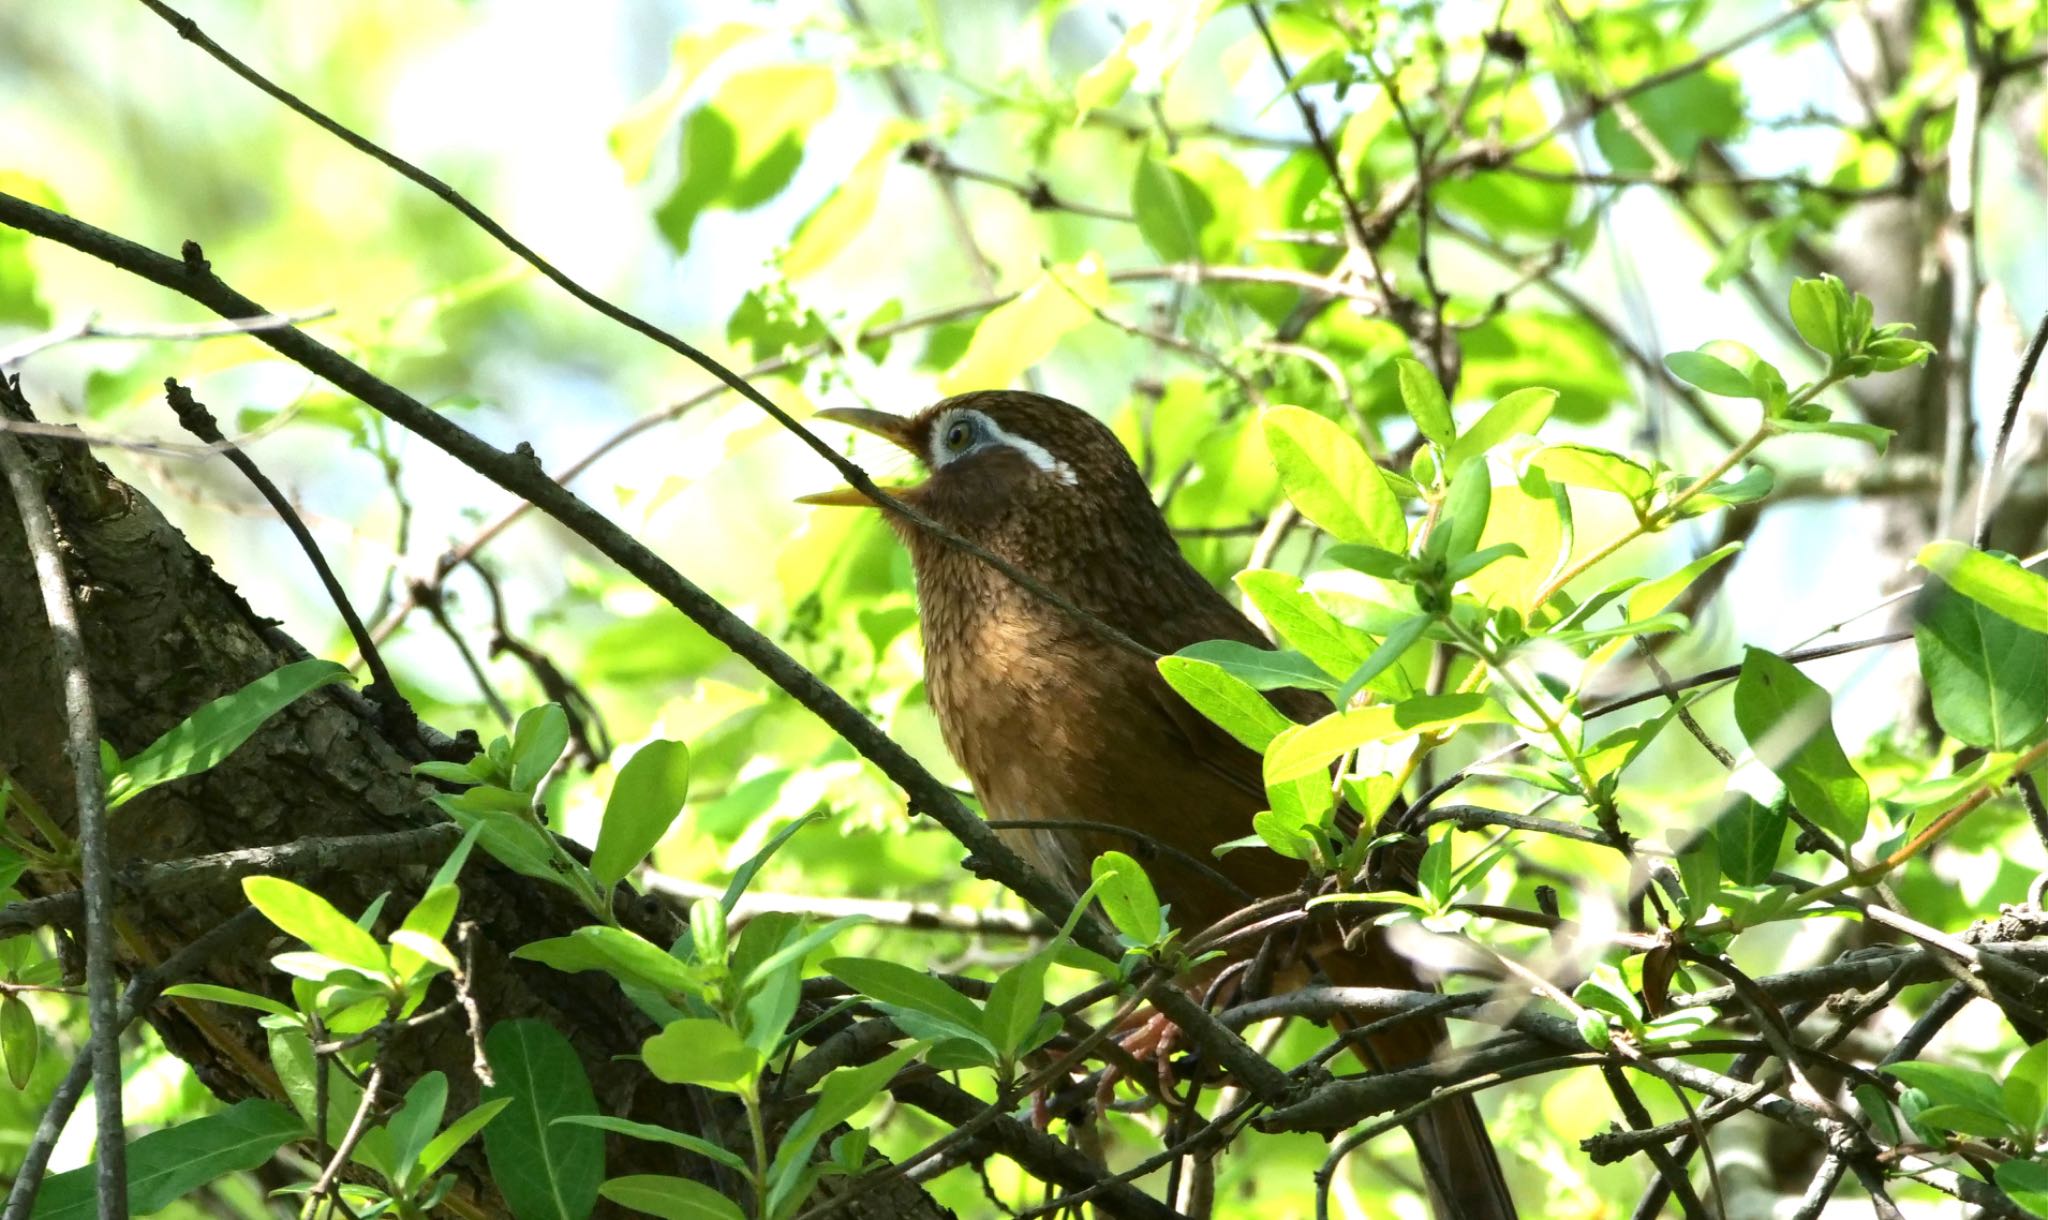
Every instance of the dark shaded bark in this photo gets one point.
(164, 635)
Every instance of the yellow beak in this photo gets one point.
(840, 497)
(881, 423)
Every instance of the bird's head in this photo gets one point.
(999, 462)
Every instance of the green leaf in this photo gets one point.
(1699, 869)
(1816, 308)
(1478, 561)
(697, 1050)
(1606, 991)
(846, 1090)
(453, 773)
(1127, 896)
(1754, 485)
(1751, 835)
(624, 955)
(21, 1043)
(1598, 469)
(166, 1165)
(1710, 373)
(203, 739)
(1593, 1030)
(899, 985)
(1014, 1004)
(1463, 518)
(509, 838)
(670, 1198)
(1986, 675)
(636, 138)
(1564, 352)
(2025, 1183)
(413, 1125)
(1433, 872)
(291, 1055)
(1286, 832)
(1305, 626)
(1227, 700)
(1875, 436)
(646, 796)
(544, 1169)
(1310, 748)
(744, 146)
(846, 212)
(537, 742)
(1965, 1120)
(20, 303)
(1397, 642)
(1890, 355)
(648, 1131)
(1424, 397)
(450, 1141)
(302, 913)
(1520, 413)
(1649, 626)
(1374, 561)
(744, 876)
(1680, 114)
(1651, 598)
(1193, 208)
(769, 961)
(798, 948)
(1948, 1085)
(1105, 84)
(1877, 1111)
(1260, 668)
(2025, 1089)
(1784, 715)
(2001, 585)
(841, 1096)
(1328, 476)
(228, 995)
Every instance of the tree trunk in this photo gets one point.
(164, 635)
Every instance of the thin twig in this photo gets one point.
(1986, 496)
(1669, 1167)
(1358, 229)
(399, 718)
(298, 858)
(90, 327)
(89, 796)
(978, 921)
(1957, 242)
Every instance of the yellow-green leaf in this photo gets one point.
(1227, 700)
(1016, 335)
(2003, 586)
(1331, 480)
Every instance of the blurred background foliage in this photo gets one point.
(879, 203)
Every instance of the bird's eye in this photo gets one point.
(958, 434)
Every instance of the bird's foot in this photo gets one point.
(1150, 1040)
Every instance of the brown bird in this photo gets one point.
(1052, 722)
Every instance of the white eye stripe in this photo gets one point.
(986, 431)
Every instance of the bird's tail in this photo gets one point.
(1460, 1168)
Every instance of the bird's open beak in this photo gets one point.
(881, 423)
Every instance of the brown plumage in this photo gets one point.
(1051, 722)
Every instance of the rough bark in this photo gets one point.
(165, 634)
